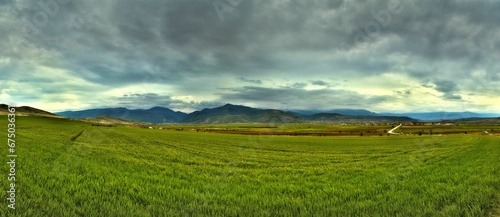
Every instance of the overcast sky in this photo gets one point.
(385, 56)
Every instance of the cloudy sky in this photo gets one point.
(384, 55)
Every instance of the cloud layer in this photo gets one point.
(388, 55)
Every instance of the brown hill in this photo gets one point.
(27, 111)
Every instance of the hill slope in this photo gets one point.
(27, 111)
(152, 115)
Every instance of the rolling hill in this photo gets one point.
(153, 115)
(27, 111)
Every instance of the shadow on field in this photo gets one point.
(76, 136)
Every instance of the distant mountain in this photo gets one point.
(230, 114)
(493, 121)
(437, 116)
(353, 112)
(425, 116)
(339, 118)
(27, 111)
(336, 111)
(240, 114)
(153, 115)
(159, 111)
(325, 116)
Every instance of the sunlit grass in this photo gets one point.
(145, 172)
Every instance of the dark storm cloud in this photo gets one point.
(183, 45)
(448, 88)
(139, 32)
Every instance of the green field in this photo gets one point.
(128, 171)
(315, 129)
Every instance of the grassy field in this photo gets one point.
(122, 171)
(312, 129)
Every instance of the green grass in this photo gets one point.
(333, 129)
(145, 172)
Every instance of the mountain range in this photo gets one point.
(424, 116)
(242, 114)
(341, 118)
(233, 114)
(152, 115)
(362, 112)
(437, 116)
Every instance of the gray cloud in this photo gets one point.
(445, 86)
(183, 48)
(298, 85)
(452, 96)
(301, 98)
(149, 100)
(319, 83)
(403, 92)
(249, 80)
(448, 88)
